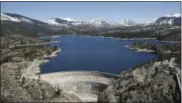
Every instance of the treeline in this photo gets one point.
(163, 50)
(27, 29)
(141, 34)
(169, 35)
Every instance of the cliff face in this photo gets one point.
(154, 82)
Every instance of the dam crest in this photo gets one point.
(84, 84)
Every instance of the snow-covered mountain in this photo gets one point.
(51, 22)
(65, 22)
(14, 18)
(151, 22)
(69, 19)
(171, 19)
(72, 22)
(18, 23)
(93, 22)
(10, 17)
(128, 22)
(97, 22)
(57, 22)
(173, 15)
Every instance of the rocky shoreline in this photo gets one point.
(118, 38)
(156, 81)
(139, 49)
(53, 54)
(33, 69)
(152, 82)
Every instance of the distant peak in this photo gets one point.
(173, 15)
(15, 18)
(55, 18)
(95, 20)
(69, 19)
(128, 22)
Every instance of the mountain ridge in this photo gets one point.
(166, 19)
(21, 24)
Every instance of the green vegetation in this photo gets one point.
(55, 48)
(169, 35)
(163, 50)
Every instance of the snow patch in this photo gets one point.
(69, 19)
(52, 22)
(173, 15)
(14, 19)
(128, 22)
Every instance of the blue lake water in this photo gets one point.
(95, 54)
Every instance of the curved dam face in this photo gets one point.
(84, 84)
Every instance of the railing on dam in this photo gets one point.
(85, 72)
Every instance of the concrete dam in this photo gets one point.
(84, 84)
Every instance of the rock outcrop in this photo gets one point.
(153, 82)
(16, 86)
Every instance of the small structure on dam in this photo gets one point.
(84, 84)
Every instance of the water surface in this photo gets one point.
(95, 54)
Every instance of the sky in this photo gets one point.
(114, 11)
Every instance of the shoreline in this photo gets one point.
(53, 54)
(54, 36)
(140, 50)
(118, 38)
(138, 39)
(175, 42)
(34, 67)
(37, 44)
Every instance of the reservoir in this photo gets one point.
(95, 53)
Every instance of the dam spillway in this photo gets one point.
(84, 84)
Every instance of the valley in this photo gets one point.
(63, 60)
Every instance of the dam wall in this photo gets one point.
(85, 84)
